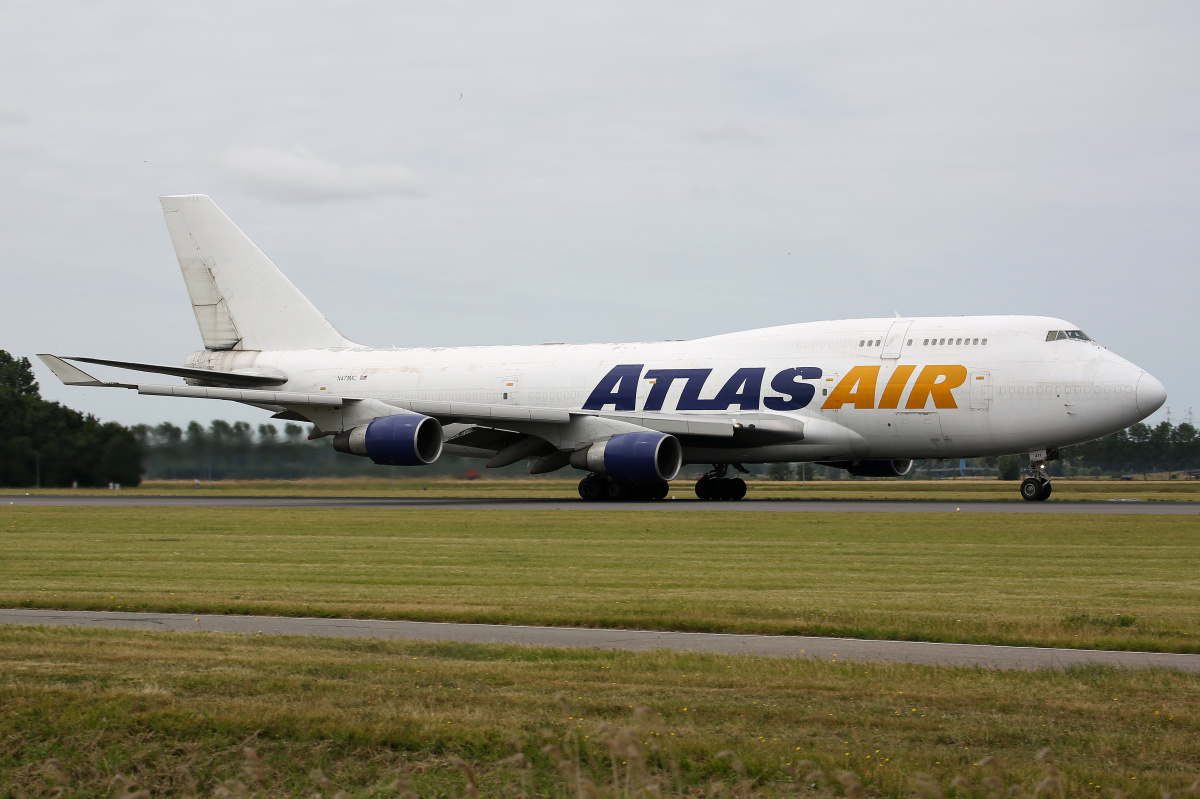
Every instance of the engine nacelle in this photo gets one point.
(405, 439)
(647, 457)
(894, 468)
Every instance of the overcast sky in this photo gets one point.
(493, 173)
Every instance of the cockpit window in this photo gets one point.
(1062, 335)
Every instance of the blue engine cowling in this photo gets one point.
(876, 468)
(405, 439)
(647, 457)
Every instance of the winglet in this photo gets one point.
(70, 375)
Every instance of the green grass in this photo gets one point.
(1119, 582)
(174, 711)
(565, 488)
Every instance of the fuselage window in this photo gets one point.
(925, 342)
(983, 342)
(941, 341)
(909, 344)
(862, 341)
(976, 341)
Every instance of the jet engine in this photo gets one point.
(647, 457)
(405, 439)
(891, 468)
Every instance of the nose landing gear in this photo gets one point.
(714, 485)
(1036, 487)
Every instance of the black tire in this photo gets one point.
(593, 489)
(737, 488)
(618, 492)
(1031, 489)
(1045, 492)
(705, 488)
(658, 491)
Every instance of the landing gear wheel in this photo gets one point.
(715, 485)
(618, 491)
(594, 488)
(658, 491)
(1031, 489)
(736, 489)
(1034, 489)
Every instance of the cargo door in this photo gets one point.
(919, 433)
(980, 383)
(893, 345)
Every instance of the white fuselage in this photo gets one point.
(992, 384)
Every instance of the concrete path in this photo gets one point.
(841, 649)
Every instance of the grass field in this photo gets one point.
(682, 489)
(1104, 581)
(175, 711)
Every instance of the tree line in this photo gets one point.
(240, 451)
(48, 444)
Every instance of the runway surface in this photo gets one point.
(470, 503)
(840, 649)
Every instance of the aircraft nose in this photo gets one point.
(1151, 394)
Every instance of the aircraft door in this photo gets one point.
(508, 390)
(919, 433)
(980, 383)
(893, 344)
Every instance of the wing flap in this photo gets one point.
(283, 398)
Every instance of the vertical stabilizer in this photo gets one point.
(241, 300)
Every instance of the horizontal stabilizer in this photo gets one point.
(70, 375)
(247, 379)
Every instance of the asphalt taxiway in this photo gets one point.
(117, 500)
(833, 649)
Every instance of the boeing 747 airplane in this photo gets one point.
(866, 395)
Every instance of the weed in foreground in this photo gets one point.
(616, 762)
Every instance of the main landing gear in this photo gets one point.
(1036, 487)
(599, 488)
(715, 485)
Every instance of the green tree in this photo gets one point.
(48, 443)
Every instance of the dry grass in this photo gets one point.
(174, 713)
(565, 488)
(1126, 582)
